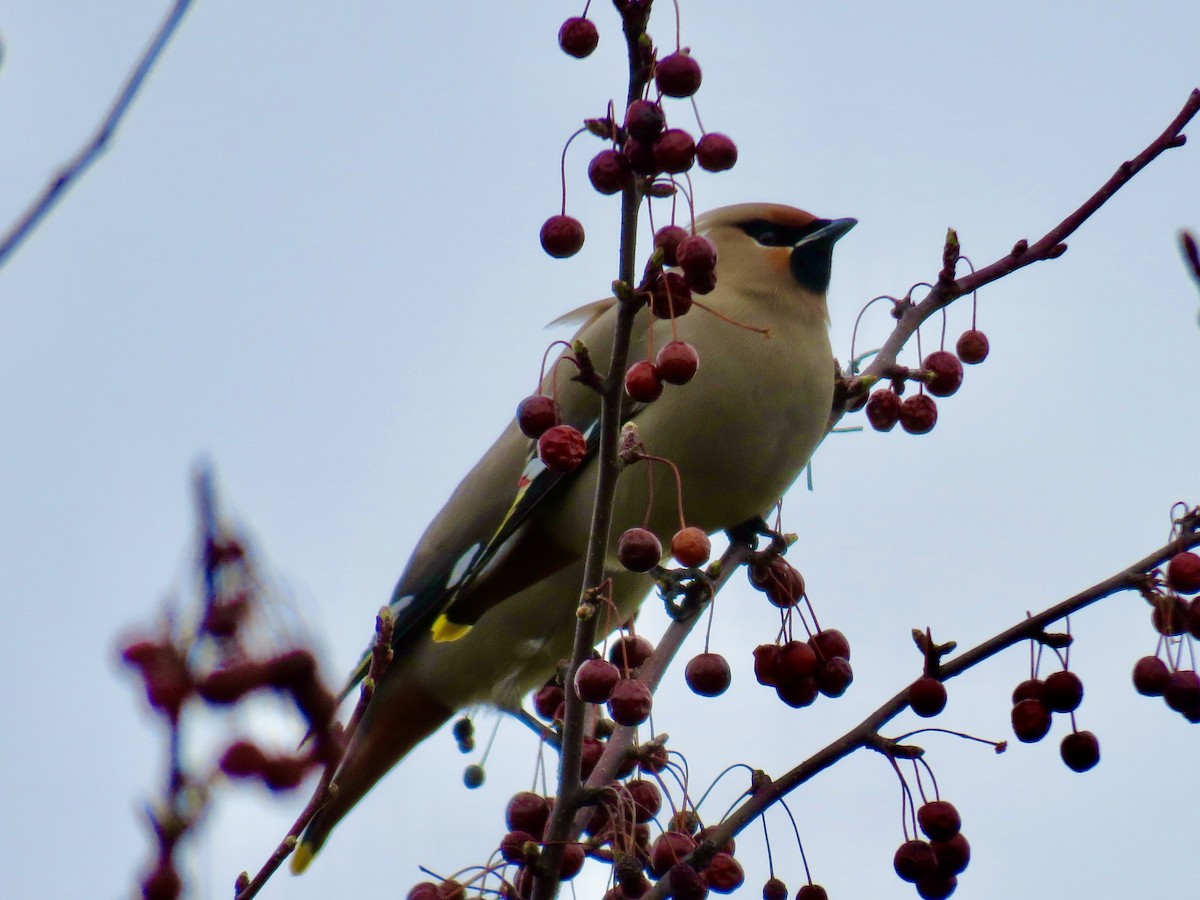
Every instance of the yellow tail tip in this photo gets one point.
(445, 630)
(301, 857)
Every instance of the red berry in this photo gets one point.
(528, 812)
(686, 883)
(765, 658)
(677, 75)
(724, 874)
(795, 660)
(595, 680)
(578, 37)
(668, 238)
(426, 890)
(1182, 692)
(512, 846)
(834, 676)
(1030, 721)
(670, 295)
(1183, 573)
(779, 580)
(609, 171)
(830, 642)
(691, 547)
(562, 448)
(883, 409)
(644, 120)
(972, 347)
(697, 256)
(548, 700)
(669, 848)
(1171, 614)
(1062, 692)
(914, 860)
(674, 151)
(677, 362)
(1029, 689)
(629, 651)
(590, 753)
(918, 414)
(947, 373)
(939, 820)
(1151, 676)
(716, 152)
(562, 236)
(774, 889)
(952, 855)
(1080, 750)
(572, 861)
(799, 692)
(647, 799)
(708, 674)
(639, 550)
(936, 886)
(927, 697)
(812, 892)
(537, 413)
(630, 702)
(640, 155)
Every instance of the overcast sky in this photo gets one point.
(311, 257)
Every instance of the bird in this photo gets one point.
(486, 607)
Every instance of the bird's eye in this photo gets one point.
(767, 234)
(769, 239)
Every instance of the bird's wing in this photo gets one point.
(484, 545)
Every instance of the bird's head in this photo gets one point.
(773, 252)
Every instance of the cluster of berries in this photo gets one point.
(943, 376)
(934, 865)
(1176, 618)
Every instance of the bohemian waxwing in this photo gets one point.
(496, 577)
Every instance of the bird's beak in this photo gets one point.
(830, 233)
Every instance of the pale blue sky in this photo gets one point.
(311, 256)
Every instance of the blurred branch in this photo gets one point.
(71, 172)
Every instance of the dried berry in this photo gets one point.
(972, 347)
(947, 373)
(724, 874)
(669, 848)
(644, 120)
(716, 152)
(834, 676)
(670, 296)
(562, 448)
(765, 658)
(883, 409)
(674, 151)
(829, 642)
(609, 171)
(918, 414)
(678, 75)
(668, 238)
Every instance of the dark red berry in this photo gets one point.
(647, 799)
(528, 812)
(829, 642)
(640, 155)
(595, 680)
(644, 120)
(686, 883)
(512, 846)
(798, 692)
(630, 702)
(972, 347)
(1182, 692)
(548, 700)
(794, 660)
(1171, 614)
(1029, 689)
(936, 886)
(1080, 750)
(674, 151)
(677, 75)
(774, 889)
(918, 414)
(953, 855)
(572, 861)
(708, 674)
(697, 256)
(812, 892)
(1183, 572)
(779, 580)
(562, 448)
(724, 874)
(1151, 676)
(939, 820)
(642, 381)
(834, 676)
(677, 362)
(578, 37)
(537, 413)
(765, 658)
(1062, 692)
(715, 152)
(947, 373)
(609, 171)
(668, 238)
(426, 890)
(1030, 721)
(883, 409)
(629, 651)
(562, 236)
(927, 697)
(670, 295)
(639, 550)
(669, 848)
(690, 547)
(914, 860)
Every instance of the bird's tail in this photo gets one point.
(399, 716)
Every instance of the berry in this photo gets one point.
(1151, 676)
(691, 547)
(707, 674)
(474, 776)
(668, 849)
(883, 409)
(798, 692)
(572, 861)
(1080, 750)
(765, 658)
(668, 239)
(629, 651)
(674, 151)
(830, 642)
(670, 295)
(578, 37)
(590, 752)
(1029, 689)
(972, 347)
(697, 256)
(1062, 692)
(779, 580)
(774, 889)
(918, 414)
(242, 759)
(686, 883)
(1170, 615)
(677, 362)
(1183, 573)
(595, 680)
(1030, 721)
(537, 413)
(927, 697)
(562, 448)
(1182, 692)
(630, 702)
(724, 874)
(914, 860)
(795, 660)
(642, 381)
(562, 236)
(812, 892)
(640, 155)
(677, 75)
(548, 700)
(647, 799)
(639, 550)
(644, 120)
(609, 171)
(939, 820)
(952, 855)
(528, 812)
(716, 152)
(947, 373)
(936, 886)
